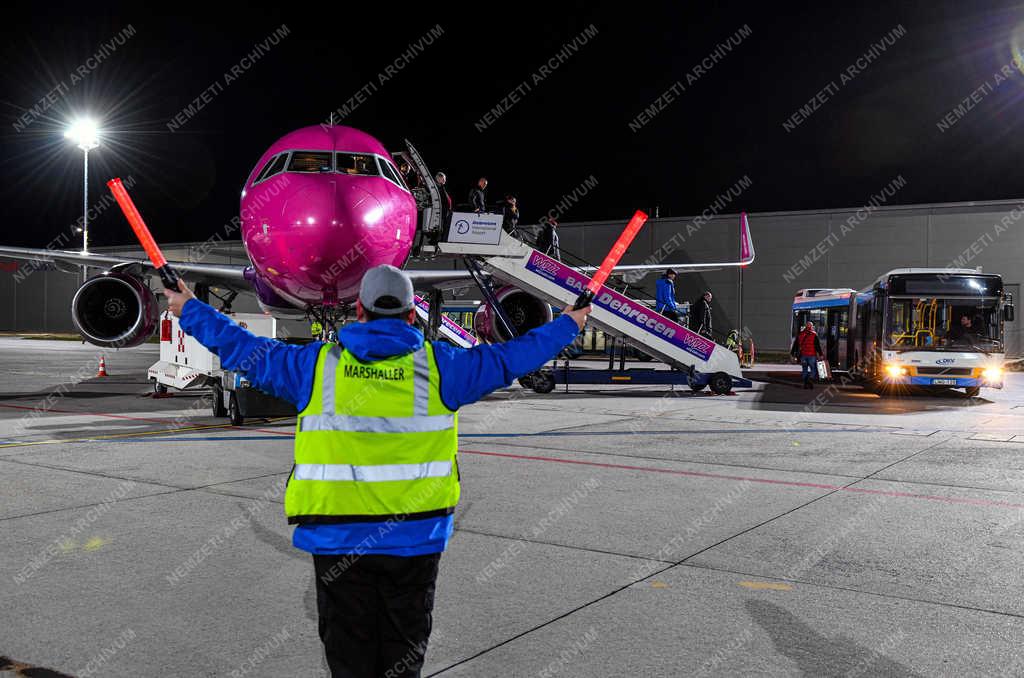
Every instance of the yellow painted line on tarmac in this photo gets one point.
(95, 543)
(29, 443)
(766, 586)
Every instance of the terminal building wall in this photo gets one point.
(827, 248)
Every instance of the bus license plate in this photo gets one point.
(944, 382)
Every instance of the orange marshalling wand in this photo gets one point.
(167, 274)
(612, 260)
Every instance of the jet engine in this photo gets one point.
(523, 310)
(115, 310)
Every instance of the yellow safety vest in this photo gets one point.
(375, 442)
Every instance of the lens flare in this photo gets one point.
(1017, 47)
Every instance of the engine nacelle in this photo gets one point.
(115, 310)
(524, 310)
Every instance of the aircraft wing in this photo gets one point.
(231, 275)
(227, 275)
(746, 258)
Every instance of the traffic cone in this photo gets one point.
(103, 367)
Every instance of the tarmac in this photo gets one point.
(619, 531)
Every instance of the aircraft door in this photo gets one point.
(428, 197)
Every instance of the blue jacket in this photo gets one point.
(286, 371)
(665, 295)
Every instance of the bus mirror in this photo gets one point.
(1008, 313)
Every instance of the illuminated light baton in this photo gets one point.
(167, 274)
(612, 260)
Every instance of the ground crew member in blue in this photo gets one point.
(376, 479)
(665, 296)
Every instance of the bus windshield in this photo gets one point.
(955, 324)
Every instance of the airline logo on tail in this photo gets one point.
(746, 242)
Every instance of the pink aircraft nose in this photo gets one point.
(312, 235)
(348, 245)
(318, 237)
(337, 231)
(309, 206)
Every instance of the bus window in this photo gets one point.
(874, 323)
(815, 315)
(799, 319)
(818, 316)
(932, 322)
(902, 327)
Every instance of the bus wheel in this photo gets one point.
(972, 391)
(720, 383)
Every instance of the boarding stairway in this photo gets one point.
(447, 328)
(514, 263)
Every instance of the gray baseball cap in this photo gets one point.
(386, 290)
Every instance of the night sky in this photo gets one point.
(570, 124)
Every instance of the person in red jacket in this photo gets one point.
(807, 349)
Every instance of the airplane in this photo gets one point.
(323, 205)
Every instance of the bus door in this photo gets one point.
(838, 329)
(861, 344)
(1012, 329)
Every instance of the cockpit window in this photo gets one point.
(274, 166)
(389, 171)
(309, 161)
(356, 163)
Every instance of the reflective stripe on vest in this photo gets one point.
(375, 440)
(340, 422)
(372, 474)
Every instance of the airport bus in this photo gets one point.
(937, 328)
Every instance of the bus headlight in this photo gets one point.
(895, 370)
(993, 374)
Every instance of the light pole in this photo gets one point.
(86, 135)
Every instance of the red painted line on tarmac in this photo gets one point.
(145, 419)
(765, 481)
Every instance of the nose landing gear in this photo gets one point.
(325, 320)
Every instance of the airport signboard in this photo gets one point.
(475, 229)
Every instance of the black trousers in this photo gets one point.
(375, 613)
